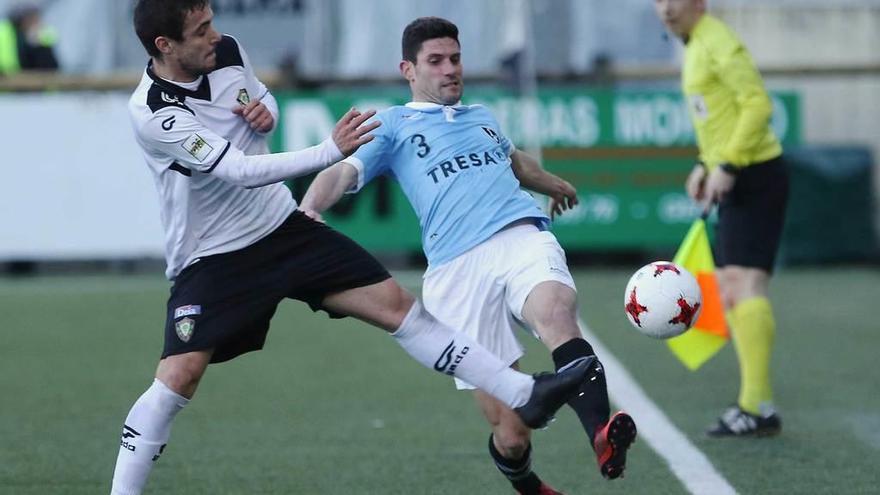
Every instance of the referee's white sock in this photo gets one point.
(439, 347)
(147, 429)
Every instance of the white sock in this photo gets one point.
(437, 346)
(147, 429)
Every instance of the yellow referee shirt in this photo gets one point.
(728, 104)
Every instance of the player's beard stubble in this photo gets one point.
(199, 66)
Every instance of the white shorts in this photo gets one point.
(482, 292)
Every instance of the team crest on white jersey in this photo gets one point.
(185, 329)
(243, 97)
(196, 146)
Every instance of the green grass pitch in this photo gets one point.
(335, 407)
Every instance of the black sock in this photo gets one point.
(591, 403)
(517, 471)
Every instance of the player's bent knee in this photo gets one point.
(738, 284)
(555, 319)
(551, 303)
(398, 302)
(389, 294)
(182, 373)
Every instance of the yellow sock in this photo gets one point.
(753, 329)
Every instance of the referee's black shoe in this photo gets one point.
(735, 422)
(552, 390)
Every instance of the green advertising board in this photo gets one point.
(627, 153)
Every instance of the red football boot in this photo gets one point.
(612, 442)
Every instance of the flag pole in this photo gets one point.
(709, 334)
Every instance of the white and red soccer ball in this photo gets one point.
(662, 300)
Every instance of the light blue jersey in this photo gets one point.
(453, 164)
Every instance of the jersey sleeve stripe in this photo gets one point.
(217, 161)
(180, 169)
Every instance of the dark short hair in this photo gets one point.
(422, 30)
(154, 18)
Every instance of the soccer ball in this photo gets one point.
(662, 300)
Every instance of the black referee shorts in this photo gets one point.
(751, 216)
(225, 301)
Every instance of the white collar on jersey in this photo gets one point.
(427, 105)
(192, 86)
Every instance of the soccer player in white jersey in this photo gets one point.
(236, 246)
(492, 261)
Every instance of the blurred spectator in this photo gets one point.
(25, 43)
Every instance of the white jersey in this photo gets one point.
(186, 131)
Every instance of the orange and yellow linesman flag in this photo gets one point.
(709, 333)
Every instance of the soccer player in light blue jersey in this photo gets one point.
(492, 261)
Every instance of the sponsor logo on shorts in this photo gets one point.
(188, 310)
(446, 363)
(185, 328)
(556, 265)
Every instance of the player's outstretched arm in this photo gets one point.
(260, 170)
(328, 187)
(532, 176)
(176, 133)
(199, 149)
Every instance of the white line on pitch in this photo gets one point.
(687, 463)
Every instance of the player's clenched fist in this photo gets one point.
(351, 133)
(257, 115)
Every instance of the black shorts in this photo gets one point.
(751, 216)
(225, 301)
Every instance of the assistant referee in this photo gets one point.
(741, 169)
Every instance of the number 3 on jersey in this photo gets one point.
(419, 141)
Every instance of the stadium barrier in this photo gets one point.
(78, 189)
(831, 206)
